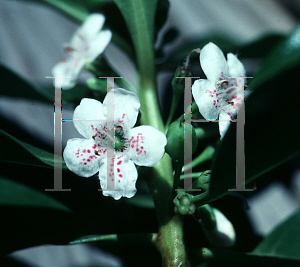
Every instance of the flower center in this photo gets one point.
(115, 138)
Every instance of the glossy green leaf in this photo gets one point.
(30, 218)
(16, 194)
(139, 16)
(16, 86)
(283, 241)
(256, 49)
(14, 150)
(76, 9)
(271, 132)
(284, 56)
(117, 239)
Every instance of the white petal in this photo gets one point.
(70, 68)
(224, 234)
(126, 108)
(236, 68)
(146, 145)
(97, 45)
(213, 62)
(80, 157)
(224, 123)
(89, 29)
(206, 98)
(122, 173)
(88, 117)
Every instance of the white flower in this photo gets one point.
(220, 95)
(86, 45)
(224, 234)
(143, 145)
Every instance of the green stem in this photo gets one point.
(175, 102)
(178, 166)
(207, 154)
(117, 239)
(190, 175)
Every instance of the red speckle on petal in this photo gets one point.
(119, 181)
(142, 147)
(123, 116)
(83, 150)
(81, 155)
(132, 146)
(137, 149)
(118, 170)
(120, 175)
(112, 180)
(77, 157)
(84, 163)
(94, 146)
(88, 160)
(88, 151)
(119, 162)
(83, 159)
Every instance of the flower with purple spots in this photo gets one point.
(142, 145)
(87, 44)
(220, 95)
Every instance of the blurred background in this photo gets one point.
(32, 38)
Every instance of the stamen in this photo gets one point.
(187, 61)
(69, 49)
(224, 82)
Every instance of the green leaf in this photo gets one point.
(256, 49)
(139, 16)
(16, 86)
(284, 56)
(271, 132)
(30, 218)
(283, 241)
(14, 150)
(16, 194)
(117, 239)
(76, 9)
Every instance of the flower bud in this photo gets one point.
(178, 83)
(184, 204)
(175, 138)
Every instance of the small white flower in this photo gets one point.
(224, 234)
(143, 145)
(86, 45)
(219, 95)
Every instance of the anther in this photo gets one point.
(97, 153)
(94, 136)
(224, 82)
(69, 49)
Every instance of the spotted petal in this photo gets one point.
(213, 62)
(205, 95)
(126, 107)
(146, 145)
(122, 176)
(80, 157)
(88, 117)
